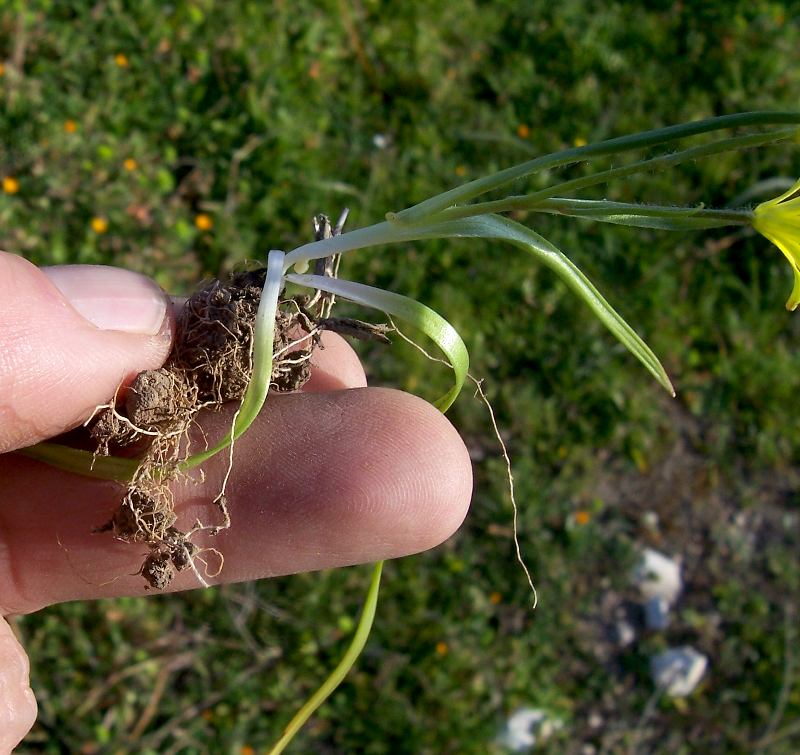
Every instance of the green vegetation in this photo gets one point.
(183, 139)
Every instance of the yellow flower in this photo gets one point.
(203, 222)
(779, 220)
(121, 60)
(130, 164)
(10, 185)
(523, 131)
(579, 141)
(582, 517)
(70, 126)
(2, 70)
(99, 225)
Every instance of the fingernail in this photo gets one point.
(112, 298)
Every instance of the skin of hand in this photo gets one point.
(336, 474)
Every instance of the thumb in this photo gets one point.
(69, 337)
(17, 704)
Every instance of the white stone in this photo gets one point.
(650, 520)
(527, 726)
(678, 670)
(656, 614)
(624, 633)
(658, 576)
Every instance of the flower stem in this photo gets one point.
(595, 179)
(430, 207)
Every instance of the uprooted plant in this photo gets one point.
(210, 365)
(239, 340)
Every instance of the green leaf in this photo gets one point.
(644, 216)
(530, 201)
(263, 345)
(418, 315)
(343, 667)
(489, 227)
(82, 462)
(497, 227)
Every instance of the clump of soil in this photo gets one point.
(210, 364)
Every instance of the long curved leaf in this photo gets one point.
(342, 668)
(497, 227)
(420, 316)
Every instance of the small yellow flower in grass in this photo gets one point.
(579, 141)
(461, 171)
(441, 648)
(582, 517)
(99, 225)
(10, 185)
(523, 132)
(2, 70)
(70, 126)
(130, 164)
(203, 222)
(495, 598)
(779, 220)
(121, 60)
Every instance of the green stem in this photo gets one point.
(649, 216)
(343, 667)
(522, 202)
(470, 190)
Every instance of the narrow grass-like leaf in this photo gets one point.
(263, 344)
(373, 235)
(497, 227)
(338, 674)
(82, 462)
(418, 315)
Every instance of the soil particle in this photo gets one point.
(157, 396)
(158, 570)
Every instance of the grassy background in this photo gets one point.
(181, 139)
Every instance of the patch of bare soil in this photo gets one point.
(728, 527)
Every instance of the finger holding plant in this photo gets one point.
(331, 491)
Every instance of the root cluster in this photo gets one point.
(211, 364)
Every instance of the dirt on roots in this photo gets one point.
(210, 365)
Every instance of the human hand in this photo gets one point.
(326, 477)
